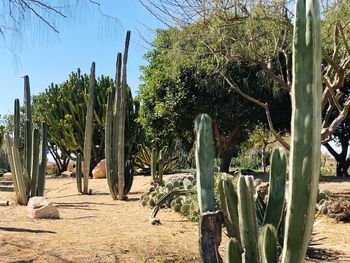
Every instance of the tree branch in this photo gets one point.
(331, 150)
(236, 88)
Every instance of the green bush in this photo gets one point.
(4, 164)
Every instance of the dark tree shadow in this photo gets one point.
(36, 231)
(327, 255)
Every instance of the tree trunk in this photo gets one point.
(225, 145)
(342, 168)
(225, 160)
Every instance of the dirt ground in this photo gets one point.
(94, 228)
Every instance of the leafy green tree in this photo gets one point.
(175, 91)
(260, 33)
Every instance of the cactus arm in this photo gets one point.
(306, 126)
(35, 162)
(268, 244)
(154, 158)
(78, 173)
(161, 165)
(276, 198)
(229, 203)
(16, 126)
(43, 160)
(247, 220)
(21, 178)
(111, 174)
(204, 155)
(28, 125)
(89, 131)
(233, 252)
(8, 145)
(121, 128)
(115, 125)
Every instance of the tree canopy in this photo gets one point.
(260, 33)
(176, 90)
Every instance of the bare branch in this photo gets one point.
(265, 106)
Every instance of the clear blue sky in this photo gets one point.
(47, 57)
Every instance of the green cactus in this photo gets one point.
(204, 155)
(247, 218)
(78, 173)
(157, 162)
(229, 205)
(29, 176)
(154, 162)
(88, 131)
(277, 184)
(120, 131)
(268, 244)
(306, 126)
(233, 251)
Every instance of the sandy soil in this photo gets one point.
(94, 228)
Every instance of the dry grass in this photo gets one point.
(94, 228)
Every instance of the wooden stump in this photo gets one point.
(210, 227)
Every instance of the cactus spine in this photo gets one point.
(306, 126)
(89, 131)
(116, 164)
(204, 155)
(29, 176)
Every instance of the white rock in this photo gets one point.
(39, 208)
(100, 170)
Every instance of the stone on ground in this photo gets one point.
(40, 208)
(100, 170)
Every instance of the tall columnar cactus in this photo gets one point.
(306, 126)
(210, 221)
(88, 132)
(118, 166)
(78, 173)
(29, 175)
(204, 155)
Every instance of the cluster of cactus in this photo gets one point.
(161, 161)
(29, 174)
(248, 243)
(240, 210)
(119, 119)
(87, 139)
(179, 195)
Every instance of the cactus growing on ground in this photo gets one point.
(304, 160)
(210, 221)
(205, 162)
(88, 133)
(306, 126)
(29, 176)
(157, 163)
(117, 146)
